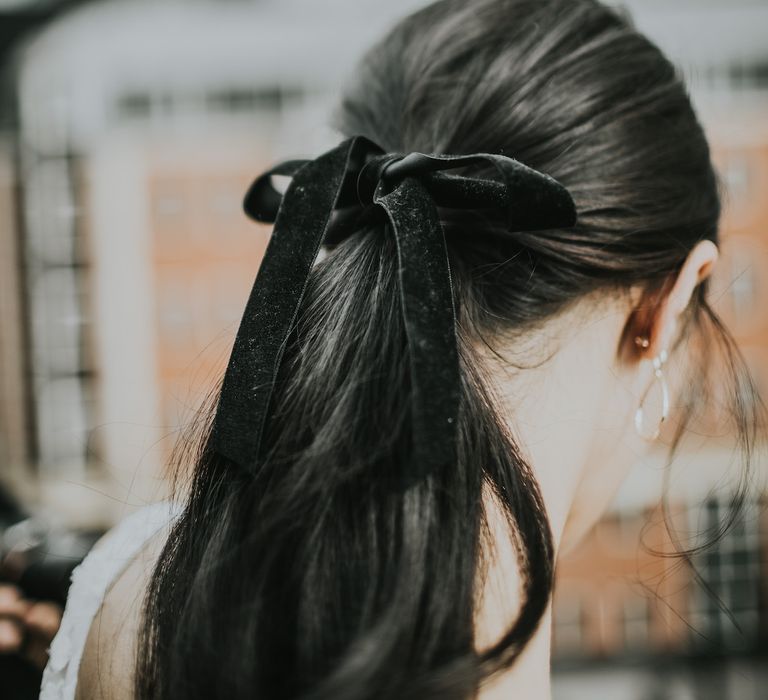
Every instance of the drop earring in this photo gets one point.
(658, 375)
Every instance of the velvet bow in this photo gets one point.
(328, 198)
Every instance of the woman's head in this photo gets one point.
(570, 88)
(315, 578)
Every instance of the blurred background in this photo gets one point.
(129, 132)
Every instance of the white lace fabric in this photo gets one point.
(89, 584)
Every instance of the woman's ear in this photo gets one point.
(664, 322)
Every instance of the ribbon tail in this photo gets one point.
(300, 226)
(430, 322)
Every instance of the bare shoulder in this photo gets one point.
(109, 655)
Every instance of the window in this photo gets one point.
(63, 373)
(731, 568)
(637, 624)
(568, 624)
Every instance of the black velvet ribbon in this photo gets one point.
(327, 199)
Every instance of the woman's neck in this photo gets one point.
(566, 418)
(501, 587)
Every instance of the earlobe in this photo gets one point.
(645, 331)
(659, 317)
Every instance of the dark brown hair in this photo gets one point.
(314, 579)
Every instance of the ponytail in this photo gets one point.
(316, 578)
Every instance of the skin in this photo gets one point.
(573, 417)
(27, 626)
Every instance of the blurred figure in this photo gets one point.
(27, 626)
(36, 562)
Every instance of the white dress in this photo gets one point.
(90, 582)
